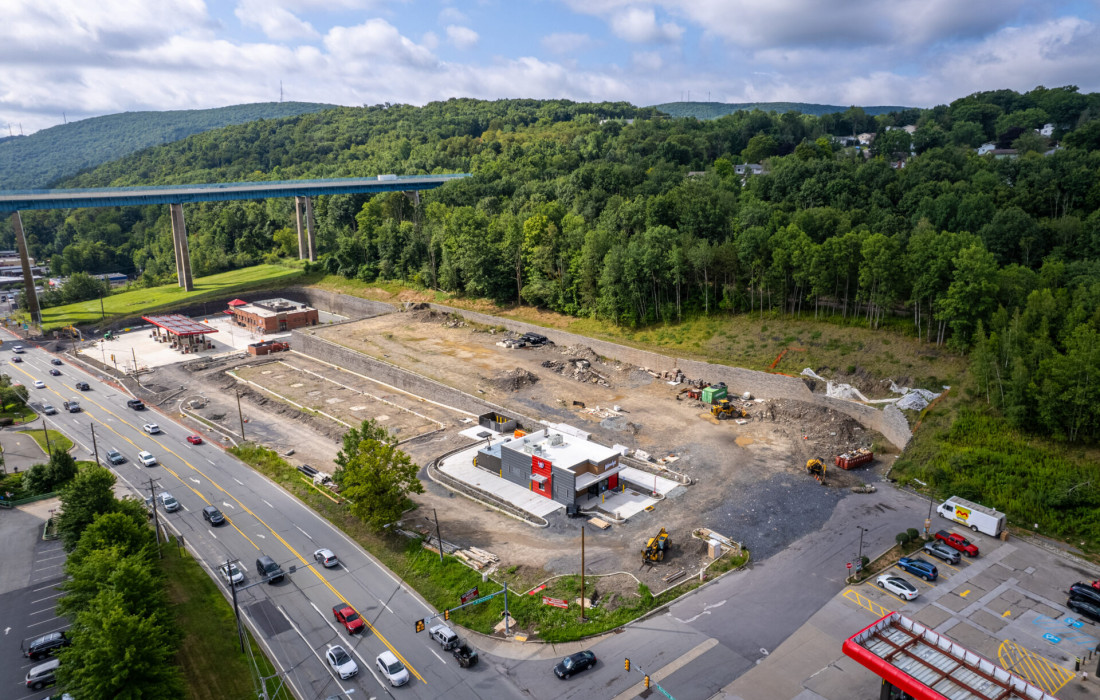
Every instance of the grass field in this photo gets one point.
(210, 655)
(57, 440)
(142, 301)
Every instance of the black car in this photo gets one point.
(83, 386)
(575, 662)
(115, 457)
(17, 358)
(55, 372)
(268, 568)
(1083, 591)
(1085, 607)
(213, 515)
(55, 361)
(45, 645)
(136, 404)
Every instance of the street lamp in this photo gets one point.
(859, 557)
(928, 520)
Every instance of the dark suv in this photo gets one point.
(213, 515)
(136, 404)
(45, 645)
(1083, 591)
(83, 386)
(266, 566)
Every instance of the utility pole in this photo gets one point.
(582, 574)
(46, 434)
(437, 535)
(859, 557)
(928, 520)
(236, 610)
(134, 355)
(240, 414)
(156, 516)
(95, 448)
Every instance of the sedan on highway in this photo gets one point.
(326, 557)
(394, 671)
(151, 428)
(39, 384)
(232, 573)
(574, 663)
(83, 386)
(48, 409)
(115, 457)
(897, 585)
(55, 361)
(213, 515)
(194, 439)
(341, 662)
(55, 372)
(17, 358)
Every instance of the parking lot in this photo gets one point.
(28, 594)
(1007, 604)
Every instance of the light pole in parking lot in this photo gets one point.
(240, 414)
(859, 557)
(928, 520)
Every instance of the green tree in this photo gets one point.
(354, 439)
(89, 495)
(377, 482)
(972, 293)
(760, 148)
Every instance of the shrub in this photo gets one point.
(913, 533)
(902, 538)
(863, 562)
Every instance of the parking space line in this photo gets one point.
(55, 595)
(39, 612)
(1035, 668)
(865, 602)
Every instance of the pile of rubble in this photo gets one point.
(828, 432)
(577, 368)
(514, 380)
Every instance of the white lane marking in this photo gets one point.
(44, 622)
(211, 461)
(213, 535)
(45, 588)
(194, 479)
(59, 556)
(265, 501)
(437, 655)
(386, 606)
(39, 612)
(241, 483)
(315, 652)
(303, 532)
(185, 508)
(55, 595)
(227, 504)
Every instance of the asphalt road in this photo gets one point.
(292, 619)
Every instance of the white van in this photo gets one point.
(973, 515)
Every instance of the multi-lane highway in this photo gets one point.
(293, 619)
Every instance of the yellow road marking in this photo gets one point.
(865, 602)
(1006, 613)
(245, 508)
(1033, 667)
(964, 593)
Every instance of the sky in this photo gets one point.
(73, 59)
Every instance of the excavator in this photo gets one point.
(725, 409)
(656, 547)
(816, 468)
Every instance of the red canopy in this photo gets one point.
(237, 302)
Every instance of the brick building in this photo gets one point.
(272, 315)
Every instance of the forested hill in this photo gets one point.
(61, 151)
(713, 110)
(618, 213)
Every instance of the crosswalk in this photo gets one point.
(1048, 676)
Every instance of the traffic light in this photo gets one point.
(646, 681)
(628, 664)
(446, 614)
(420, 625)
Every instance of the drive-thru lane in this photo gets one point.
(262, 518)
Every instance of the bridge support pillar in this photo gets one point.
(303, 209)
(183, 253)
(28, 274)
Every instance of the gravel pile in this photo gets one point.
(578, 369)
(827, 433)
(514, 380)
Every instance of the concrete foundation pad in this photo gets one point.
(932, 616)
(461, 467)
(974, 639)
(953, 602)
(987, 620)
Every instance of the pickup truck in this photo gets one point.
(958, 542)
(465, 655)
(445, 636)
(347, 617)
(919, 567)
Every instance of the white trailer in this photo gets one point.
(973, 515)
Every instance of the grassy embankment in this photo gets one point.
(136, 302)
(442, 585)
(57, 440)
(210, 655)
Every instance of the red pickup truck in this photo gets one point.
(347, 617)
(957, 542)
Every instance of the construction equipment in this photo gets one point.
(690, 392)
(816, 468)
(715, 393)
(724, 409)
(656, 547)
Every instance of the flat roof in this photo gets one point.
(272, 307)
(178, 324)
(929, 666)
(568, 453)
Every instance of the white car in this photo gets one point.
(341, 662)
(151, 428)
(39, 384)
(392, 669)
(897, 585)
(147, 458)
(171, 505)
(48, 409)
(231, 573)
(326, 557)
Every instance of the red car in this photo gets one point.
(194, 439)
(347, 617)
(957, 541)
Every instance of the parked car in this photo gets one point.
(1083, 591)
(574, 663)
(957, 541)
(171, 505)
(48, 409)
(83, 386)
(347, 617)
(194, 439)
(232, 573)
(919, 567)
(1085, 607)
(147, 458)
(115, 457)
(326, 557)
(136, 404)
(394, 671)
(151, 428)
(212, 515)
(341, 662)
(269, 568)
(897, 585)
(942, 551)
(39, 384)
(55, 372)
(42, 675)
(45, 645)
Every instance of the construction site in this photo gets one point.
(713, 462)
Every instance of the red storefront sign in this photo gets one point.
(469, 595)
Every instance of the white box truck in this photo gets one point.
(973, 515)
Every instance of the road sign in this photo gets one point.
(849, 565)
(469, 595)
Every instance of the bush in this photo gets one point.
(913, 533)
(902, 538)
(863, 562)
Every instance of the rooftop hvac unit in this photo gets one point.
(555, 439)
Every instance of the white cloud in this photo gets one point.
(640, 25)
(649, 61)
(429, 41)
(567, 43)
(462, 37)
(275, 22)
(379, 41)
(452, 15)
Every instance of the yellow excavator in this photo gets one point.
(656, 547)
(816, 468)
(725, 409)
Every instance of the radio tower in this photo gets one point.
(280, 91)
